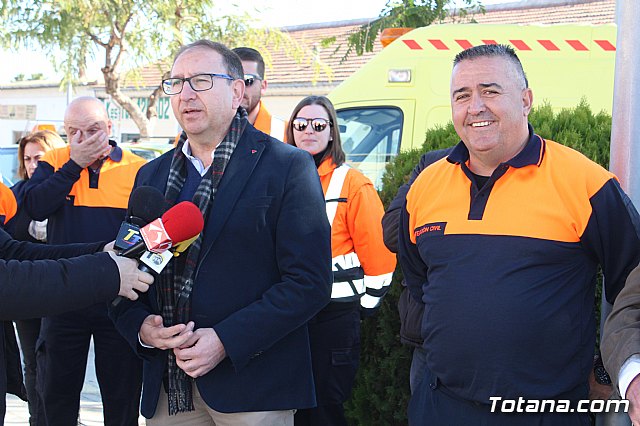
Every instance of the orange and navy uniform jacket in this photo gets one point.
(361, 264)
(507, 272)
(269, 124)
(8, 204)
(81, 205)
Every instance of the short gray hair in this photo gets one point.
(492, 50)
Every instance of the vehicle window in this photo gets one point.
(9, 165)
(147, 154)
(370, 138)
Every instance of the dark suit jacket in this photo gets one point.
(264, 271)
(621, 335)
(48, 287)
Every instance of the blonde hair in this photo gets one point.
(47, 139)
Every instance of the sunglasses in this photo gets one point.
(317, 124)
(249, 79)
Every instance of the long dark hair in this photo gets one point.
(334, 148)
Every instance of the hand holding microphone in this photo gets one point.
(132, 280)
(181, 223)
(146, 203)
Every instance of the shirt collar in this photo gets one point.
(186, 150)
(116, 152)
(532, 153)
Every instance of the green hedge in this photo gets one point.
(381, 393)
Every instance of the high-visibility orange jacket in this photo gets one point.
(361, 264)
(81, 205)
(8, 204)
(269, 124)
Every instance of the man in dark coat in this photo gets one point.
(38, 280)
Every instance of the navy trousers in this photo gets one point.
(28, 332)
(62, 359)
(434, 404)
(335, 353)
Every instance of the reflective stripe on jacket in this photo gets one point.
(269, 124)
(361, 264)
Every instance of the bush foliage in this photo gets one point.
(381, 392)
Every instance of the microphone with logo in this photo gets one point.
(146, 204)
(178, 227)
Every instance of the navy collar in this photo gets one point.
(533, 152)
(116, 152)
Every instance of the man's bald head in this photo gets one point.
(87, 104)
(86, 115)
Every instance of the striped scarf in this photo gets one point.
(176, 281)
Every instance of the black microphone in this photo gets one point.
(146, 204)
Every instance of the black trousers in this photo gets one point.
(62, 357)
(434, 404)
(335, 352)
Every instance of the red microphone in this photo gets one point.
(180, 223)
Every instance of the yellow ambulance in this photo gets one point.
(389, 104)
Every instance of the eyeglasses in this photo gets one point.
(249, 79)
(317, 124)
(198, 82)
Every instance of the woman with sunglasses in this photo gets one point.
(362, 265)
(30, 149)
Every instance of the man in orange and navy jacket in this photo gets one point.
(256, 86)
(502, 240)
(83, 191)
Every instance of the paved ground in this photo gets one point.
(90, 405)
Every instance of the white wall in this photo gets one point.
(51, 103)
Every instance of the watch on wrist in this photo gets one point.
(601, 375)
